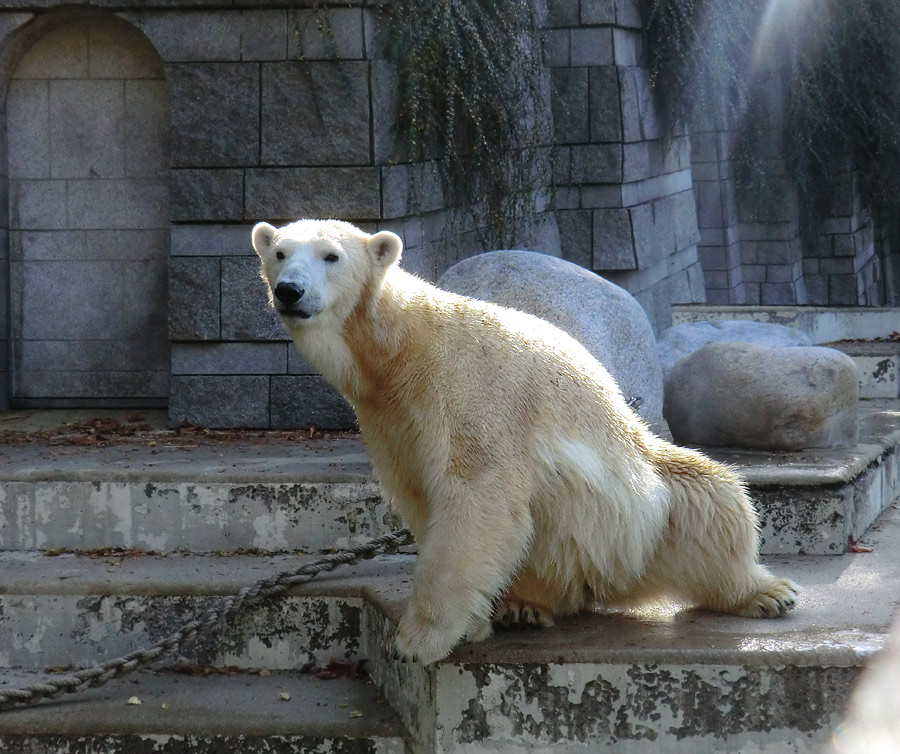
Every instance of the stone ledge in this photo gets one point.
(809, 502)
(621, 681)
(823, 324)
(257, 716)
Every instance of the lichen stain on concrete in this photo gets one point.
(607, 703)
(758, 700)
(287, 632)
(795, 521)
(532, 707)
(884, 371)
(272, 497)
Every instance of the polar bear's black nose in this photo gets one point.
(288, 293)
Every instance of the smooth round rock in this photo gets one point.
(743, 395)
(683, 339)
(604, 318)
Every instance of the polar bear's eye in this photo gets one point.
(279, 255)
(331, 258)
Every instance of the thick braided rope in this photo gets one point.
(223, 609)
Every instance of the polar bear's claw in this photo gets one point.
(516, 614)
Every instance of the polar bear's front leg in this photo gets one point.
(467, 559)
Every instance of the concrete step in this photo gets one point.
(278, 496)
(216, 714)
(656, 680)
(823, 324)
(818, 501)
(664, 679)
(77, 611)
(269, 496)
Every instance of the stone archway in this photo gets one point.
(88, 167)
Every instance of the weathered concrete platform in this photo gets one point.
(878, 364)
(815, 501)
(668, 679)
(269, 494)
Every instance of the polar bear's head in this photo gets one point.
(317, 270)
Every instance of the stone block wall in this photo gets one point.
(842, 265)
(276, 114)
(714, 188)
(274, 117)
(274, 111)
(624, 200)
(755, 249)
(87, 242)
(278, 111)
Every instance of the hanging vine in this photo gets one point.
(841, 66)
(472, 102)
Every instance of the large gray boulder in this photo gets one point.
(683, 339)
(605, 318)
(749, 396)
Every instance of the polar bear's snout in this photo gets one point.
(288, 293)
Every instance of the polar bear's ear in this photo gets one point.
(385, 247)
(263, 236)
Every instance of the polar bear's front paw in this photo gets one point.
(423, 640)
(516, 614)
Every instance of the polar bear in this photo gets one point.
(531, 488)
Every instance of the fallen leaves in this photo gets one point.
(102, 431)
(201, 671)
(854, 546)
(335, 669)
(99, 553)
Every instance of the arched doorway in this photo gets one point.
(88, 167)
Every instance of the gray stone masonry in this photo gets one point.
(87, 182)
(623, 188)
(842, 266)
(144, 139)
(276, 114)
(759, 244)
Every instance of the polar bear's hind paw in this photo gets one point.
(516, 614)
(773, 600)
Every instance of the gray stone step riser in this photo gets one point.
(821, 324)
(285, 633)
(165, 517)
(163, 743)
(622, 708)
(820, 520)
(51, 515)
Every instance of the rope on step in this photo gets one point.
(225, 608)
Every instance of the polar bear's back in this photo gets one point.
(485, 353)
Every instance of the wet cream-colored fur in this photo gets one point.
(532, 490)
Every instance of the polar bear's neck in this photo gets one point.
(352, 354)
(327, 353)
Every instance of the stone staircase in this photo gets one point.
(104, 550)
